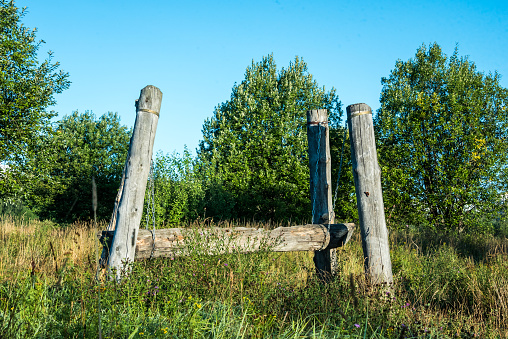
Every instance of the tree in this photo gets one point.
(254, 150)
(178, 192)
(442, 132)
(27, 89)
(78, 147)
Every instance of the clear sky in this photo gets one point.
(195, 51)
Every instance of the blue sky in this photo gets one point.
(195, 51)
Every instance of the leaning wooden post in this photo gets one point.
(369, 195)
(130, 207)
(320, 185)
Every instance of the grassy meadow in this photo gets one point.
(444, 288)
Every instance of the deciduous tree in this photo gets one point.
(27, 89)
(79, 147)
(442, 130)
(254, 149)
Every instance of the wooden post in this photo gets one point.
(320, 165)
(130, 207)
(369, 195)
(112, 221)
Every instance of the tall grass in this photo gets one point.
(443, 288)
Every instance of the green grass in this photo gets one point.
(454, 287)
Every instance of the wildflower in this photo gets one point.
(225, 264)
(357, 325)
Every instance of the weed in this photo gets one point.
(48, 290)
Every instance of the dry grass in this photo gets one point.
(44, 247)
(461, 283)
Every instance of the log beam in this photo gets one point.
(175, 242)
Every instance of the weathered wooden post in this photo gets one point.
(130, 206)
(320, 165)
(369, 195)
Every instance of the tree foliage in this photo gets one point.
(27, 87)
(442, 132)
(79, 146)
(253, 155)
(178, 190)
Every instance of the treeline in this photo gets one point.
(252, 163)
(441, 133)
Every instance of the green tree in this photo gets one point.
(253, 155)
(442, 132)
(27, 89)
(178, 190)
(78, 147)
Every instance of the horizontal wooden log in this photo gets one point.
(174, 242)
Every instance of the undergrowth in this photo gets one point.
(444, 288)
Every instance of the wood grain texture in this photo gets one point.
(112, 221)
(130, 206)
(369, 195)
(175, 242)
(320, 166)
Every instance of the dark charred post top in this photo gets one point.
(369, 195)
(130, 206)
(320, 184)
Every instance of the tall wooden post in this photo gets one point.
(130, 207)
(369, 195)
(320, 165)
